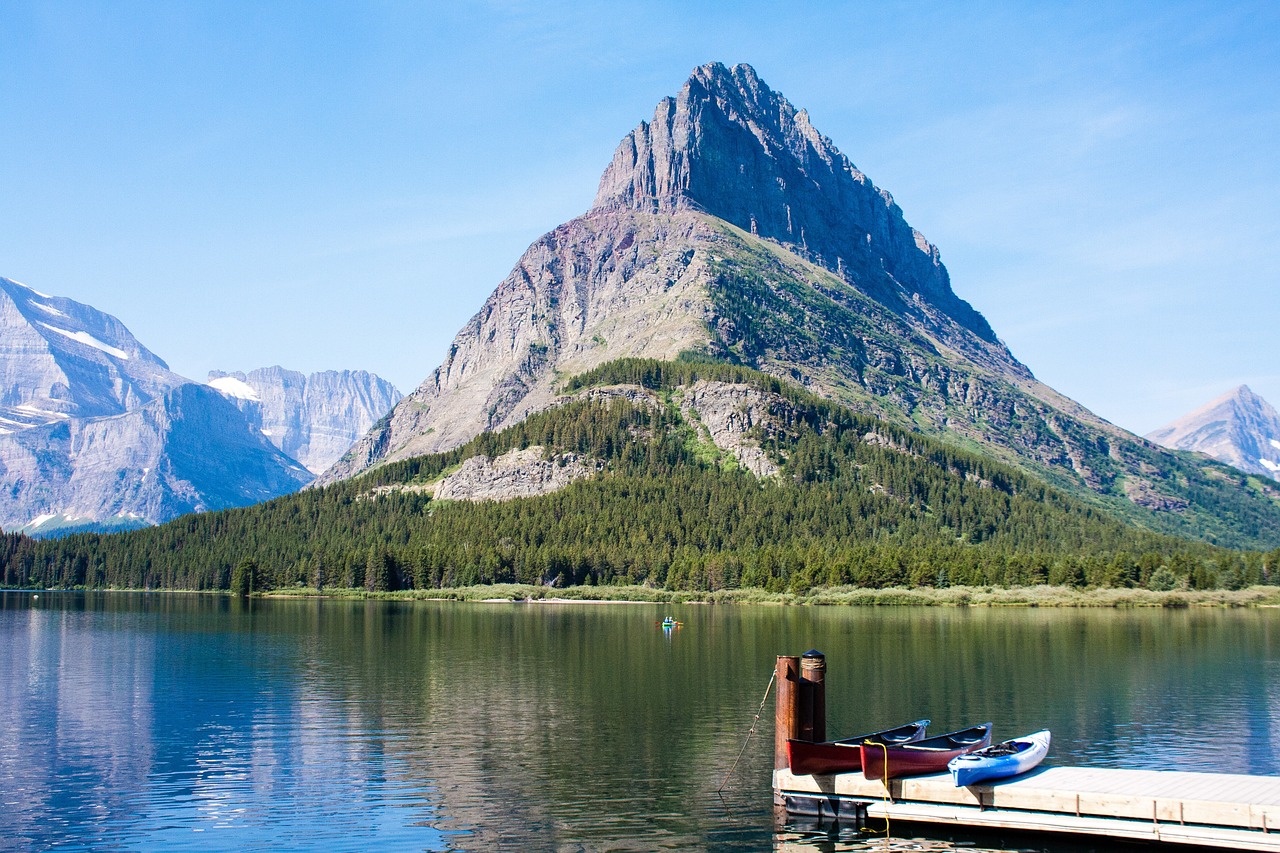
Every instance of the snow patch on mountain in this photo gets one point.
(237, 388)
(48, 309)
(88, 340)
(36, 410)
(32, 289)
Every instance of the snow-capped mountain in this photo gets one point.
(1239, 428)
(314, 419)
(63, 359)
(96, 431)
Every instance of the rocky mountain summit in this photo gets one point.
(1238, 428)
(728, 228)
(730, 146)
(729, 189)
(313, 419)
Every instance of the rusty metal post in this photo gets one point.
(786, 715)
(813, 703)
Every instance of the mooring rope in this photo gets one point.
(888, 830)
(750, 732)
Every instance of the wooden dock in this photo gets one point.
(1229, 811)
(1205, 809)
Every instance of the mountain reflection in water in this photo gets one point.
(170, 721)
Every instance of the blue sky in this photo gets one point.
(342, 185)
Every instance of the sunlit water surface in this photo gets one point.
(185, 722)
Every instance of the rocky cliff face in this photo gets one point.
(729, 227)
(62, 359)
(597, 288)
(1238, 428)
(730, 146)
(313, 419)
(187, 450)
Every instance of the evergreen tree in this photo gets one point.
(244, 577)
(377, 572)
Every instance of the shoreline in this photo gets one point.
(1037, 596)
(1255, 597)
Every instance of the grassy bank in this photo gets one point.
(957, 596)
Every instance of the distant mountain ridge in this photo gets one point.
(187, 450)
(313, 418)
(728, 228)
(1238, 428)
(97, 433)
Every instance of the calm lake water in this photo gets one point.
(184, 722)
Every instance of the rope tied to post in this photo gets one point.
(750, 732)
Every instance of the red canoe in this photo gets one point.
(845, 756)
(922, 756)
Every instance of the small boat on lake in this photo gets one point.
(670, 622)
(883, 761)
(845, 756)
(1010, 758)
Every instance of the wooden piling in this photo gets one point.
(786, 715)
(813, 696)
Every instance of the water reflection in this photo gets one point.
(185, 722)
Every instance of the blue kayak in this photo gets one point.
(1001, 760)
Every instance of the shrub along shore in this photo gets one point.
(956, 596)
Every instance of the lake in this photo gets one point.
(190, 722)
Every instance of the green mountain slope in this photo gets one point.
(785, 316)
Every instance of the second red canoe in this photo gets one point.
(922, 756)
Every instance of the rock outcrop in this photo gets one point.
(314, 419)
(736, 417)
(515, 474)
(1238, 428)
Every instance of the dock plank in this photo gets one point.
(1219, 837)
(1169, 803)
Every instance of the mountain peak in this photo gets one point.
(1239, 428)
(741, 78)
(729, 146)
(314, 419)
